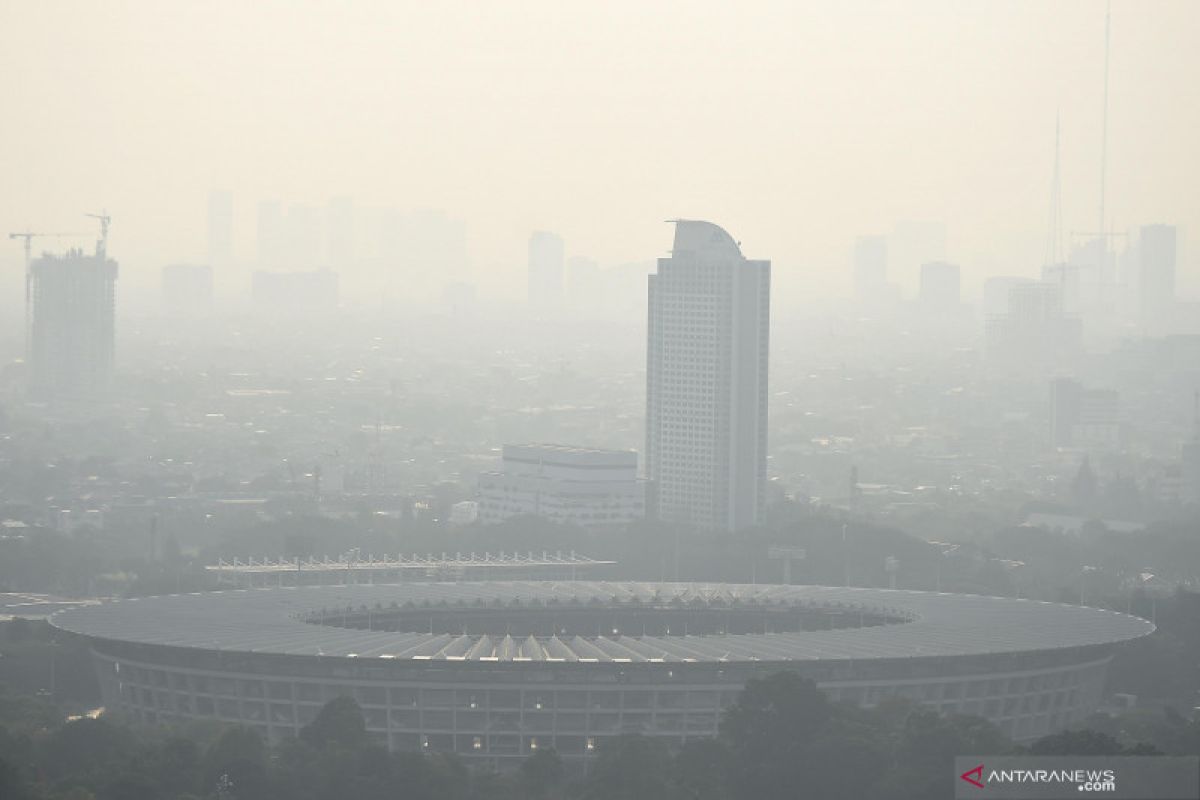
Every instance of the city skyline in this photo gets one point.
(978, 148)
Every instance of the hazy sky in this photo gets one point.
(796, 125)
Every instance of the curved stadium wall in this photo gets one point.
(498, 670)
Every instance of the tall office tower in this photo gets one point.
(1034, 334)
(941, 286)
(220, 229)
(706, 381)
(870, 268)
(1156, 275)
(996, 293)
(545, 268)
(72, 330)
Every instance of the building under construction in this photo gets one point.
(71, 329)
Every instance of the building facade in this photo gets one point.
(706, 381)
(72, 331)
(572, 485)
(495, 671)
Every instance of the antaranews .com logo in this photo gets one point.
(1056, 777)
(1084, 780)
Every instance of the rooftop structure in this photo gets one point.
(497, 670)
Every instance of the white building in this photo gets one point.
(706, 381)
(574, 485)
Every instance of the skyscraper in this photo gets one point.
(706, 381)
(72, 329)
(545, 268)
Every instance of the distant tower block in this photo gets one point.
(706, 381)
(72, 332)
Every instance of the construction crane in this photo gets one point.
(102, 242)
(29, 236)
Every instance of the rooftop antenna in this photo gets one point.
(102, 242)
(1054, 233)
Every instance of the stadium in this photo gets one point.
(497, 670)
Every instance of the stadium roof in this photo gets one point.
(273, 621)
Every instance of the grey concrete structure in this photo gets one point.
(497, 670)
(706, 381)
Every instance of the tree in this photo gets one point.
(87, 747)
(236, 761)
(630, 767)
(1084, 742)
(702, 770)
(768, 730)
(340, 722)
(541, 773)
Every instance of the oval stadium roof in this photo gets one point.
(273, 621)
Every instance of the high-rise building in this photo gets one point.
(545, 268)
(72, 333)
(706, 381)
(220, 229)
(996, 293)
(870, 268)
(1034, 333)
(941, 286)
(1156, 275)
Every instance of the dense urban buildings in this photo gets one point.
(575, 485)
(72, 330)
(496, 671)
(706, 381)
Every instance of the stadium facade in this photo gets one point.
(498, 670)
